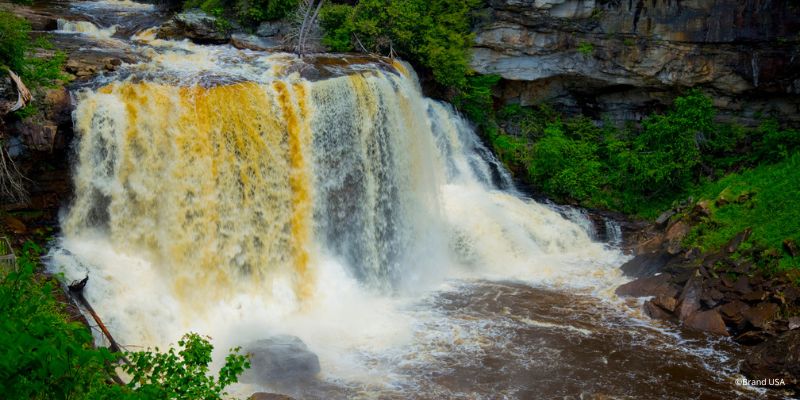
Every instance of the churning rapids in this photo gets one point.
(242, 195)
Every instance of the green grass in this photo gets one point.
(765, 199)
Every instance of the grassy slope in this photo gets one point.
(765, 199)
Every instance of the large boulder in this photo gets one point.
(279, 359)
(44, 131)
(689, 300)
(254, 42)
(648, 286)
(196, 26)
(646, 264)
(707, 321)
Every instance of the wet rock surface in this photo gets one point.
(279, 359)
(626, 58)
(718, 293)
(196, 26)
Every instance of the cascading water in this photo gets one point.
(222, 192)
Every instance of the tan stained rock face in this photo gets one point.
(624, 57)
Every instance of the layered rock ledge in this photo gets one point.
(624, 59)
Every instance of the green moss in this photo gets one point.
(585, 48)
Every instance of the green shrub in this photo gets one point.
(527, 122)
(248, 12)
(564, 167)
(774, 144)
(183, 374)
(475, 100)
(513, 151)
(336, 22)
(255, 11)
(666, 152)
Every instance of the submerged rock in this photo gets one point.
(279, 359)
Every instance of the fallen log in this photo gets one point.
(76, 289)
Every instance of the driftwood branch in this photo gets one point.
(23, 95)
(308, 23)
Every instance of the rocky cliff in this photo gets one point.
(624, 58)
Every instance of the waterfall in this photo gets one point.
(226, 193)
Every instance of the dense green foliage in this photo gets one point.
(749, 175)
(18, 53)
(635, 170)
(46, 356)
(433, 34)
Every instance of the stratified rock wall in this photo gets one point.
(624, 58)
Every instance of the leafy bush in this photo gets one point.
(527, 122)
(45, 356)
(182, 375)
(634, 170)
(564, 167)
(336, 21)
(475, 100)
(775, 144)
(666, 152)
(255, 11)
